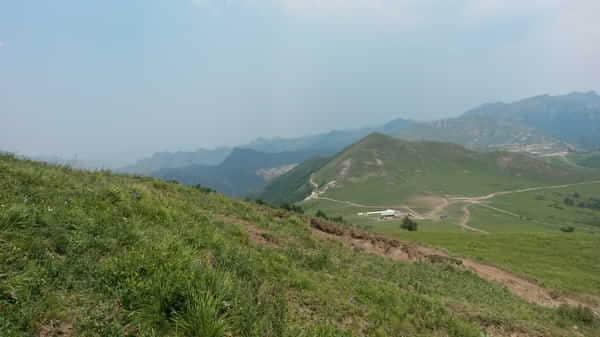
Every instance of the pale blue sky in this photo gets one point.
(100, 78)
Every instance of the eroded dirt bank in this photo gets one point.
(411, 252)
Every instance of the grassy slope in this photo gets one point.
(294, 185)
(590, 159)
(96, 254)
(410, 169)
(514, 242)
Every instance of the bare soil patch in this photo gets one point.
(56, 329)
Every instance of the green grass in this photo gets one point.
(384, 171)
(113, 255)
(567, 262)
(586, 159)
(531, 245)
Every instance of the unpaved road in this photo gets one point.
(530, 189)
(436, 212)
(464, 223)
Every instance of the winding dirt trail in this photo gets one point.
(464, 223)
(436, 212)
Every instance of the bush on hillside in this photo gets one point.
(569, 201)
(292, 208)
(339, 219)
(568, 229)
(578, 314)
(409, 224)
(321, 214)
(203, 189)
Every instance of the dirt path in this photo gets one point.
(464, 223)
(410, 252)
(436, 212)
(530, 189)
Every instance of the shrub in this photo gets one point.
(569, 201)
(203, 189)
(578, 314)
(409, 224)
(339, 219)
(568, 229)
(292, 208)
(321, 214)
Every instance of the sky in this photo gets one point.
(122, 79)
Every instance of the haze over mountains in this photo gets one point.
(557, 124)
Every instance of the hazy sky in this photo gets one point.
(136, 76)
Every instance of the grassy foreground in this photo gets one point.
(97, 254)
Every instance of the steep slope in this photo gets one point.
(96, 254)
(245, 172)
(293, 186)
(384, 169)
(570, 119)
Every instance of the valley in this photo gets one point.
(93, 253)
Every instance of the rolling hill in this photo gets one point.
(382, 169)
(98, 254)
(294, 185)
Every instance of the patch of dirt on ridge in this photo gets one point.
(261, 237)
(410, 252)
(56, 329)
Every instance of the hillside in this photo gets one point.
(382, 169)
(571, 119)
(293, 186)
(507, 209)
(243, 173)
(96, 254)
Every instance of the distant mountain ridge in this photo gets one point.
(324, 144)
(573, 119)
(557, 124)
(244, 172)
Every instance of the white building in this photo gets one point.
(384, 214)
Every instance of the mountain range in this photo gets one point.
(556, 124)
(244, 172)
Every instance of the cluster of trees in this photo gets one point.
(575, 200)
(204, 189)
(409, 224)
(286, 206)
(568, 229)
(292, 208)
(321, 214)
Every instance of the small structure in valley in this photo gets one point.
(388, 213)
